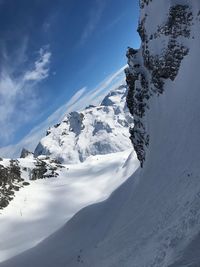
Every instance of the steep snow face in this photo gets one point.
(153, 219)
(97, 130)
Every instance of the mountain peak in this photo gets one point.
(25, 153)
(96, 130)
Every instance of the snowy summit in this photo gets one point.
(96, 130)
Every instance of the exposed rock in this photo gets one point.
(25, 153)
(10, 181)
(39, 171)
(12, 176)
(160, 67)
(144, 2)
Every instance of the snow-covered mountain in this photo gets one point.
(96, 130)
(38, 193)
(42, 206)
(78, 101)
(153, 219)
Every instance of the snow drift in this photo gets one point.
(153, 219)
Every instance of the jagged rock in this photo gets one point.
(25, 153)
(10, 181)
(160, 67)
(11, 176)
(39, 171)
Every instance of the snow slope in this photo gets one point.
(38, 194)
(153, 219)
(46, 204)
(96, 130)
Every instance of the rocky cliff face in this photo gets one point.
(163, 48)
(96, 130)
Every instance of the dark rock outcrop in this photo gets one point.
(11, 176)
(160, 67)
(25, 153)
(10, 181)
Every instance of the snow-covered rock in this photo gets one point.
(97, 130)
(25, 154)
(153, 219)
(164, 46)
(16, 174)
(43, 206)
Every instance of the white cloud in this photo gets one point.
(80, 100)
(41, 67)
(18, 98)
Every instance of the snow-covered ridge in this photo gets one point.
(96, 130)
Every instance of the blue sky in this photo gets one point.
(51, 49)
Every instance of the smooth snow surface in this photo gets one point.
(45, 205)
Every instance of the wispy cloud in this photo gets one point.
(80, 100)
(18, 97)
(95, 15)
(31, 140)
(41, 67)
